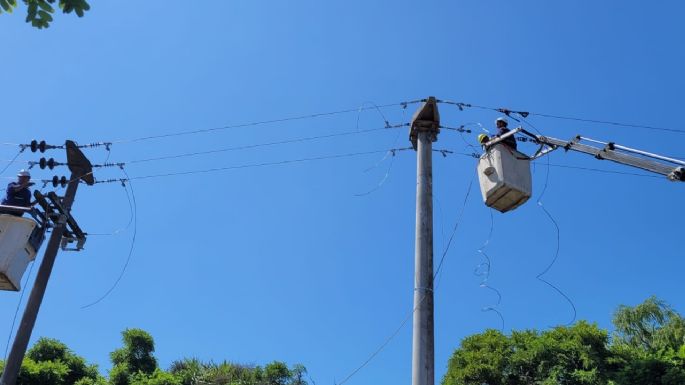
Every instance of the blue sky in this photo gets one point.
(287, 262)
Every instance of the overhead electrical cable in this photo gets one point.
(483, 270)
(131, 248)
(262, 122)
(249, 165)
(423, 298)
(540, 275)
(525, 114)
(267, 144)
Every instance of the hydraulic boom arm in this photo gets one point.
(673, 169)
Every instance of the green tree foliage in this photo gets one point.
(647, 348)
(50, 362)
(134, 358)
(39, 12)
(573, 356)
(194, 372)
(649, 343)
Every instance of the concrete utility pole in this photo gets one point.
(425, 126)
(81, 169)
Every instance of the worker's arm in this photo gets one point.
(19, 187)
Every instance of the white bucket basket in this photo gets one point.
(15, 250)
(505, 178)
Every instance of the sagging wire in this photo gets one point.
(385, 177)
(605, 171)
(21, 297)
(392, 161)
(454, 230)
(525, 114)
(264, 122)
(11, 161)
(463, 139)
(133, 240)
(249, 165)
(539, 277)
(16, 311)
(423, 298)
(131, 213)
(483, 270)
(257, 145)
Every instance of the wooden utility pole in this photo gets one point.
(81, 169)
(425, 126)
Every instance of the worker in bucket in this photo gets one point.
(18, 194)
(502, 129)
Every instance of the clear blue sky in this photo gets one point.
(285, 262)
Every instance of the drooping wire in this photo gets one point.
(257, 145)
(130, 218)
(11, 161)
(385, 177)
(262, 122)
(16, 311)
(539, 277)
(604, 171)
(454, 229)
(420, 302)
(525, 114)
(133, 242)
(392, 161)
(483, 270)
(249, 165)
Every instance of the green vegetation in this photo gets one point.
(50, 362)
(647, 348)
(39, 12)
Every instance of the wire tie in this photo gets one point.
(423, 289)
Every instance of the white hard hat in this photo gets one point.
(501, 119)
(23, 172)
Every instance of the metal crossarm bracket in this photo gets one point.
(73, 232)
(425, 119)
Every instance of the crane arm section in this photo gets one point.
(673, 169)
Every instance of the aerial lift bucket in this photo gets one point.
(505, 178)
(17, 249)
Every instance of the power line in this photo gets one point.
(605, 171)
(264, 122)
(243, 166)
(250, 146)
(525, 114)
(133, 242)
(409, 315)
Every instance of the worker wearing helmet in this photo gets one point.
(18, 194)
(502, 129)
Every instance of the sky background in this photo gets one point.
(312, 262)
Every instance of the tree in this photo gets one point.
(50, 362)
(647, 348)
(573, 355)
(277, 373)
(133, 358)
(39, 12)
(649, 344)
